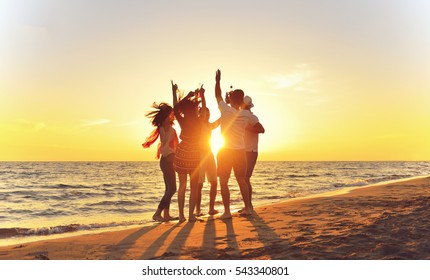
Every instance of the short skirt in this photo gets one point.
(187, 157)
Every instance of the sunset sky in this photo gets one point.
(330, 80)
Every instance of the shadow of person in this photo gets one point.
(231, 250)
(173, 251)
(117, 251)
(273, 244)
(208, 245)
(154, 247)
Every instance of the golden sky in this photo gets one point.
(330, 80)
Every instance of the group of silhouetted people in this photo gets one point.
(193, 156)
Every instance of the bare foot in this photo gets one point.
(246, 212)
(193, 218)
(158, 218)
(225, 216)
(213, 212)
(199, 213)
(170, 218)
(182, 219)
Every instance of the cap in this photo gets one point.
(248, 101)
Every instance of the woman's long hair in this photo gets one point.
(161, 112)
(188, 106)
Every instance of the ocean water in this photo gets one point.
(41, 200)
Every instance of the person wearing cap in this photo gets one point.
(232, 155)
(251, 141)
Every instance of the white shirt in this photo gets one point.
(233, 123)
(166, 136)
(251, 138)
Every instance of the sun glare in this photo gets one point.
(217, 142)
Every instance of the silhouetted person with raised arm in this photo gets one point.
(162, 118)
(207, 163)
(251, 141)
(232, 155)
(187, 157)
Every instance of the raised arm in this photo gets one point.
(175, 103)
(174, 92)
(215, 124)
(218, 95)
(202, 96)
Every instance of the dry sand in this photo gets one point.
(389, 221)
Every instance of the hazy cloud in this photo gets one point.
(32, 126)
(92, 123)
(300, 79)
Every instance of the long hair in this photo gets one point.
(159, 115)
(188, 106)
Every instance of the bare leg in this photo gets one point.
(225, 194)
(199, 199)
(212, 197)
(245, 196)
(157, 215)
(248, 181)
(194, 182)
(181, 196)
(167, 216)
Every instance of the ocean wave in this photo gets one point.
(116, 203)
(20, 211)
(51, 212)
(25, 194)
(76, 192)
(21, 232)
(303, 176)
(68, 186)
(275, 197)
(123, 210)
(356, 183)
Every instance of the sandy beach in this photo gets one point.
(387, 221)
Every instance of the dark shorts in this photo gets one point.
(251, 160)
(228, 159)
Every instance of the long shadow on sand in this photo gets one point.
(118, 250)
(152, 249)
(273, 244)
(232, 250)
(209, 241)
(175, 247)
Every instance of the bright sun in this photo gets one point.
(217, 141)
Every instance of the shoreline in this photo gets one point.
(348, 225)
(147, 220)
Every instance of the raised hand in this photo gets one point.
(227, 97)
(218, 86)
(190, 94)
(201, 90)
(174, 90)
(174, 87)
(218, 75)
